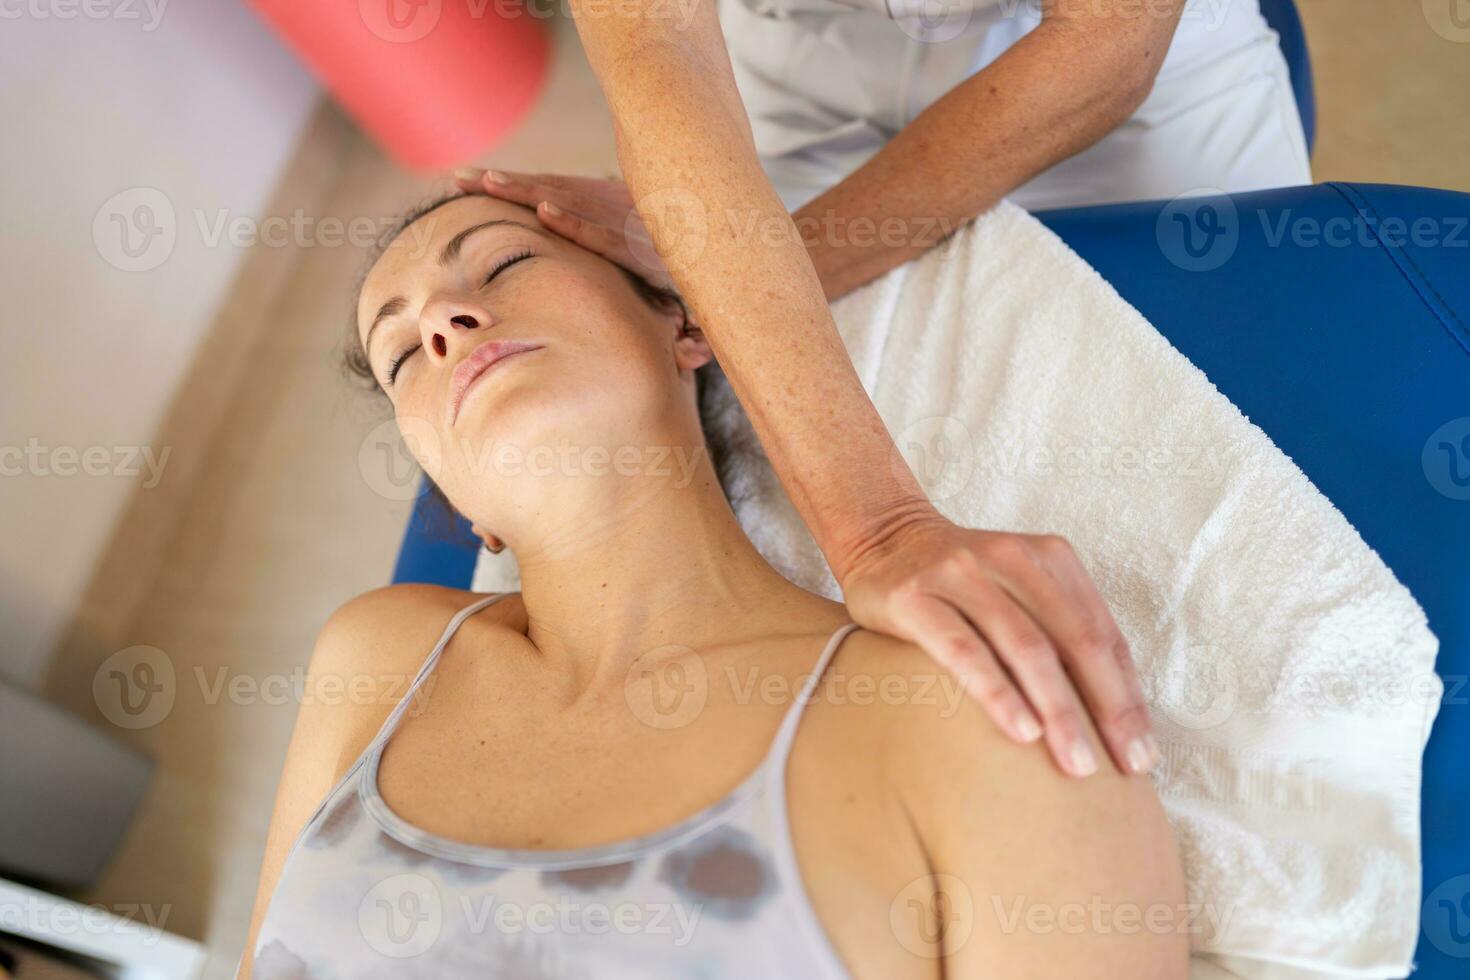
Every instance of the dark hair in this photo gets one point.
(721, 419)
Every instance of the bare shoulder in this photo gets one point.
(934, 720)
(897, 684)
(950, 747)
(1027, 848)
(366, 655)
(370, 649)
(387, 627)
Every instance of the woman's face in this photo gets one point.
(507, 350)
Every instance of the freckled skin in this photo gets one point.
(880, 795)
(564, 763)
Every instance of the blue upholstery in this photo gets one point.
(1354, 357)
(1346, 337)
(438, 547)
(1284, 19)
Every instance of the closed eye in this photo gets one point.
(504, 264)
(499, 267)
(398, 362)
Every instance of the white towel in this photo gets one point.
(1290, 675)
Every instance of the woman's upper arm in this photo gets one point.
(1038, 873)
(374, 636)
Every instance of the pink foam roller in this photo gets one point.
(435, 82)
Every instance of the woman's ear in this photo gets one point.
(492, 543)
(691, 350)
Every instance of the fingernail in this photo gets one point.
(468, 174)
(552, 209)
(1084, 763)
(498, 177)
(1027, 729)
(1139, 756)
(1153, 749)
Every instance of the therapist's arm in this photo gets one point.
(1007, 613)
(1080, 74)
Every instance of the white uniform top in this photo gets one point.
(828, 82)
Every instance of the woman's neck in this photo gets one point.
(632, 564)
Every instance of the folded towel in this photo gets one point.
(1290, 675)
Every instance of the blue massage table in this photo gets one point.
(1355, 360)
(1337, 317)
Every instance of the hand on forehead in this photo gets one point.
(437, 239)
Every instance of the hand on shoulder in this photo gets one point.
(1043, 874)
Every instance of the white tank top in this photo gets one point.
(364, 894)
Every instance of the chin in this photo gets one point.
(534, 412)
(513, 425)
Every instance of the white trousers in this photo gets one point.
(827, 85)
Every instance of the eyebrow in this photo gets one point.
(447, 257)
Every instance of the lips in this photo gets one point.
(477, 363)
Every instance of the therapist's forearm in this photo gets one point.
(1014, 618)
(1055, 92)
(684, 144)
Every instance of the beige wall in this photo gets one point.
(194, 100)
(1393, 90)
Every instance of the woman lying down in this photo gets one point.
(660, 758)
(723, 778)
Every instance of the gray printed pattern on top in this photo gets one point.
(366, 895)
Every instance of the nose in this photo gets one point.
(446, 324)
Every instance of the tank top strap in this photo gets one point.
(390, 724)
(786, 734)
